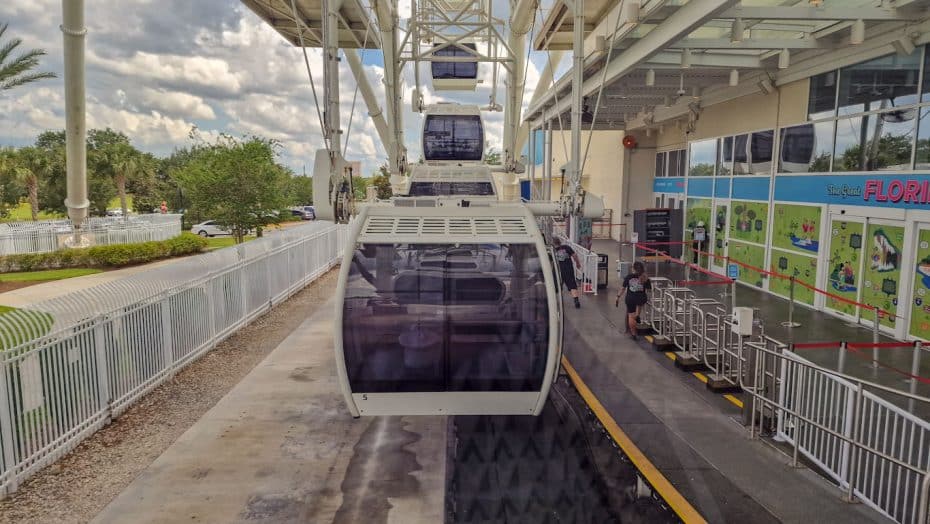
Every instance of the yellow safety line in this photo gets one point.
(654, 477)
(703, 378)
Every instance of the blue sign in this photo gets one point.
(902, 191)
(701, 186)
(722, 187)
(751, 188)
(733, 271)
(669, 185)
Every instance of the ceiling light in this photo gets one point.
(784, 59)
(857, 32)
(737, 30)
(650, 77)
(903, 46)
(734, 77)
(686, 59)
(629, 13)
(695, 91)
(648, 132)
(668, 101)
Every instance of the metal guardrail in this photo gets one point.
(860, 434)
(68, 365)
(50, 235)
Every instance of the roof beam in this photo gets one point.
(679, 24)
(812, 13)
(673, 58)
(748, 43)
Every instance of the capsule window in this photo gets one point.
(421, 318)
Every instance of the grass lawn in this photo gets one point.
(40, 325)
(221, 242)
(47, 275)
(4, 309)
(23, 212)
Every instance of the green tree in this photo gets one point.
(30, 164)
(492, 157)
(360, 187)
(17, 71)
(300, 190)
(235, 182)
(382, 181)
(124, 163)
(10, 192)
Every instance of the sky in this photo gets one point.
(158, 68)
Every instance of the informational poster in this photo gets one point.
(720, 233)
(585, 236)
(748, 221)
(802, 267)
(796, 228)
(920, 311)
(751, 255)
(843, 278)
(882, 270)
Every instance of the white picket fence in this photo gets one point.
(68, 365)
(50, 235)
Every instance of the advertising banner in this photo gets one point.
(903, 191)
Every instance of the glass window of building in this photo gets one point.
(848, 154)
(925, 90)
(682, 162)
(725, 166)
(890, 144)
(923, 140)
(703, 158)
(883, 83)
(672, 162)
(806, 148)
(660, 164)
(760, 152)
(741, 155)
(821, 102)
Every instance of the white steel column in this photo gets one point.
(521, 21)
(547, 160)
(74, 31)
(386, 11)
(531, 160)
(574, 186)
(331, 74)
(371, 101)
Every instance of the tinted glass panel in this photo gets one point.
(454, 70)
(453, 137)
(806, 148)
(660, 165)
(725, 167)
(420, 318)
(673, 164)
(451, 188)
(760, 152)
(703, 158)
(682, 162)
(822, 99)
(923, 140)
(741, 155)
(883, 83)
(874, 142)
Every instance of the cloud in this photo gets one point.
(177, 104)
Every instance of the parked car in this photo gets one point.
(309, 209)
(209, 229)
(115, 212)
(302, 213)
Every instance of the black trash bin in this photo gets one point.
(602, 270)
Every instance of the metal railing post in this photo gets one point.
(915, 371)
(924, 504)
(167, 343)
(875, 330)
(104, 399)
(791, 323)
(841, 365)
(851, 460)
(6, 425)
(733, 295)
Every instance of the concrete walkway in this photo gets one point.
(281, 447)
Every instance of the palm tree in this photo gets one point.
(15, 72)
(127, 163)
(28, 165)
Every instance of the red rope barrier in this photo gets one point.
(918, 378)
(702, 282)
(817, 345)
(866, 345)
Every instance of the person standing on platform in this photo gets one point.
(634, 287)
(565, 255)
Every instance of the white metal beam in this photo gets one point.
(812, 13)
(75, 118)
(673, 59)
(371, 101)
(748, 43)
(677, 25)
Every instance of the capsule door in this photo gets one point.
(445, 328)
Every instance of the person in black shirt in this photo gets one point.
(634, 287)
(565, 255)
